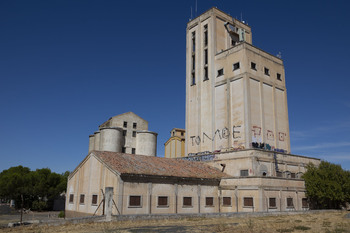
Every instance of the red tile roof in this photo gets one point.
(157, 166)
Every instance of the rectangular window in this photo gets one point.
(205, 56)
(279, 77)
(206, 73)
(290, 202)
(272, 202)
(134, 133)
(226, 201)
(123, 149)
(266, 71)
(163, 201)
(193, 62)
(244, 172)
(209, 201)
(134, 125)
(125, 124)
(124, 132)
(134, 201)
(71, 198)
(193, 77)
(187, 201)
(193, 41)
(252, 66)
(304, 203)
(94, 200)
(206, 35)
(220, 72)
(279, 174)
(248, 202)
(82, 199)
(292, 175)
(133, 151)
(236, 66)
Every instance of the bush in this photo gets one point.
(39, 205)
(61, 214)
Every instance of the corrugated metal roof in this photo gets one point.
(157, 166)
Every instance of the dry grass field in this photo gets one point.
(310, 222)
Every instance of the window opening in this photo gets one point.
(290, 202)
(187, 201)
(125, 124)
(248, 202)
(163, 201)
(236, 66)
(209, 201)
(134, 125)
(244, 172)
(279, 77)
(272, 202)
(133, 151)
(94, 200)
(135, 201)
(267, 71)
(253, 66)
(226, 201)
(71, 198)
(82, 199)
(220, 72)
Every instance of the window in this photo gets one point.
(133, 151)
(292, 175)
(244, 172)
(226, 201)
(206, 74)
(205, 56)
(304, 203)
(125, 124)
(290, 202)
(220, 72)
(94, 200)
(279, 174)
(248, 202)
(134, 201)
(279, 77)
(193, 41)
(124, 132)
(193, 77)
(134, 125)
(182, 133)
(272, 203)
(236, 66)
(71, 198)
(134, 133)
(209, 201)
(206, 35)
(123, 149)
(163, 201)
(252, 66)
(82, 199)
(266, 71)
(187, 201)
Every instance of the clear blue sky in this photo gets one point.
(68, 66)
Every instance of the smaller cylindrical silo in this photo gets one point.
(91, 142)
(97, 140)
(146, 143)
(111, 139)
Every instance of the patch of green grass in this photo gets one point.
(298, 220)
(302, 228)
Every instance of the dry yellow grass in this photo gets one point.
(311, 222)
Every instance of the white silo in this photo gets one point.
(146, 143)
(91, 142)
(111, 139)
(97, 140)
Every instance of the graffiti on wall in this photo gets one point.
(208, 157)
(257, 141)
(220, 134)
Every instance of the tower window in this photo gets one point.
(205, 56)
(206, 35)
(134, 133)
(206, 73)
(236, 66)
(220, 72)
(279, 77)
(193, 62)
(266, 71)
(125, 124)
(193, 41)
(134, 125)
(193, 79)
(252, 66)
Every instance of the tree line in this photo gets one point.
(36, 190)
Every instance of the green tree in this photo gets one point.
(327, 186)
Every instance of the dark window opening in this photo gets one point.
(124, 132)
(206, 57)
(244, 172)
(304, 203)
(125, 124)
(266, 71)
(290, 202)
(220, 72)
(264, 174)
(279, 174)
(187, 201)
(82, 199)
(193, 81)
(206, 73)
(205, 35)
(248, 202)
(133, 151)
(193, 41)
(123, 149)
(279, 77)
(134, 133)
(71, 198)
(163, 201)
(226, 201)
(193, 62)
(236, 66)
(272, 202)
(182, 134)
(253, 66)
(135, 201)
(94, 200)
(134, 125)
(209, 201)
(292, 175)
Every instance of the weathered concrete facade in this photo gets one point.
(235, 92)
(175, 146)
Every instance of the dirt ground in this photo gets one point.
(316, 222)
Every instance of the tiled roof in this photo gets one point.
(157, 166)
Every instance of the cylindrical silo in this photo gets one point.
(111, 139)
(146, 143)
(91, 143)
(97, 140)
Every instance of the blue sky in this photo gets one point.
(68, 66)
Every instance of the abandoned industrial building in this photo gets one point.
(233, 156)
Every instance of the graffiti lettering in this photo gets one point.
(235, 132)
(209, 157)
(221, 134)
(281, 136)
(270, 135)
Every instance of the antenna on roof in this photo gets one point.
(279, 55)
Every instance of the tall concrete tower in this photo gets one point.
(235, 93)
